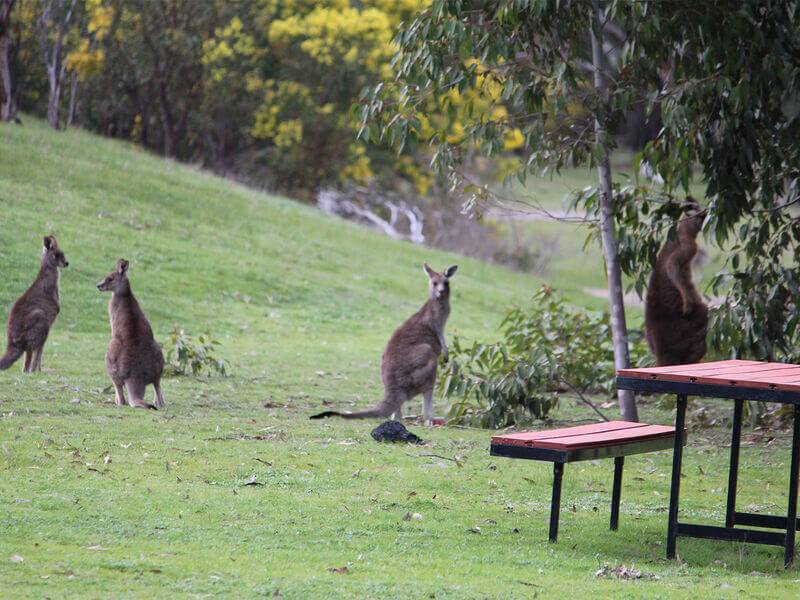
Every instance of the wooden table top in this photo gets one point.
(736, 373)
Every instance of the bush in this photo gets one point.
(550, 350)
(185, 355)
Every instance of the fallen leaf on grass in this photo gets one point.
(624, 573)
(490, 521)
(16, 558)
(66, 573)
(475, 529)
(338, 569)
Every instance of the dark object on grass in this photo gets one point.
(394, 431)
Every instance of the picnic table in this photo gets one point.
(736, 380)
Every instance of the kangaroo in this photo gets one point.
(34, 313)
(409, 362)
(675, 316)
(134, 357)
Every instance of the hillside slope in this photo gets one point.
(258, 272)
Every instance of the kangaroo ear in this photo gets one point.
(48, 242)
(122, 266)
(450, 271)
(428, 271)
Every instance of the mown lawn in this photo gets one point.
(231, 492)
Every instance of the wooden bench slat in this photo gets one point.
(652, 432)
(577, 430)
(585, 436)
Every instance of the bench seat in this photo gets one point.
(612, 439)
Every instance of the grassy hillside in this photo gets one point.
(231, 492)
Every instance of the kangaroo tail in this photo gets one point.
(11, 355)
(361, 414)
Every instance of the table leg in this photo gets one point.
(616, 491)
(791, 514)
(677, 459)
(555, 503)
(733, 473)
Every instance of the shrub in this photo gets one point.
(186, 355)
(545, 352)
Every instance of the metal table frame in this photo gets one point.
(789, 523)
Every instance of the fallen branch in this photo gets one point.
(584, 399)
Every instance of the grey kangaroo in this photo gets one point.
(134, 357)
(33, 314)
(408, 365)
(675, 316)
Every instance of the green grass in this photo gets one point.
(231, 492)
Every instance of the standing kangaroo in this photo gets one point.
(675, 316)
(33, 314)
(408, 365)
(134, 357)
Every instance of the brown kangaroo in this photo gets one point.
(33, 314)
(408, 365)
(134, 357)
(675, 316)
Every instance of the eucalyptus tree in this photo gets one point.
(724, 75)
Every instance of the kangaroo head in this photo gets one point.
(691, 225)
(439, 283)
(52, 256)
(117, 279)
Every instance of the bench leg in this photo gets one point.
(733, 473)
(616, 492)
(677, 460)
(555, 503)
(791, 513)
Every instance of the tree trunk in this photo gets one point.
(53, 59)
(608, 234)
(73, 99)
(53, 99)
(6, 93)
(7, 104)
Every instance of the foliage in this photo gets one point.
(545, 351)
(186, 354)
(729, 107)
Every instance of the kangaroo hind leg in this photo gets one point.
(37, 359)
(159, 398)
(119, 394)
(136, 392)
(427, 405)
